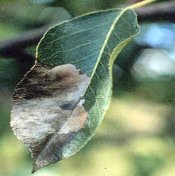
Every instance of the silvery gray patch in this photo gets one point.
(48, 109)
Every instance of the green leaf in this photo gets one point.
(58, 2)
(60, 103)
(42, 1)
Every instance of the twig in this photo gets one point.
(24, 40)
(14, 48)
(141, 4)
(17, 53)
(158, 12)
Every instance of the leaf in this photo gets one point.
(62, 100)
(42, 1)
(59, 2)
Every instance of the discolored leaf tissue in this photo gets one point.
(61, 101)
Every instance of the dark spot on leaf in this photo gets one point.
(67, 106)
(80, 72)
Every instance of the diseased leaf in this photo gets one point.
(62, 100)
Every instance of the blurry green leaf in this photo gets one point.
(147, 165)
(9, 74)
(35, 15)
(62, 100)
(8, 30)
(45, 1)
(77, 7)
(42, 1)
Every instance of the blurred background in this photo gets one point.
(137, 136)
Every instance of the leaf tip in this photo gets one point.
(38, 165)
(35, 168)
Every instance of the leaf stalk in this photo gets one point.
(141, 4)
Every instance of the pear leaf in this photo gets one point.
(61, 101)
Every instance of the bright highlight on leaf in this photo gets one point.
(62, 100)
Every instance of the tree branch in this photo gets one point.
(23, 41)
(157, 12)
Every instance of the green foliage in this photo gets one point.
(77, 7)
(147, 165)
(8, 31)
(9, 74)
(42, 1)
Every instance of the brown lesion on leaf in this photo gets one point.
(32, 85)
(48, 109)
(52, 152)
(77, 120)
(42, 81)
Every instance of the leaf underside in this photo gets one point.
(62, 100)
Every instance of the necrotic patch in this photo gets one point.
(47, 102)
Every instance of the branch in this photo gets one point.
(17, 53)
(23, 41)
(14, 48)
(158, 12)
